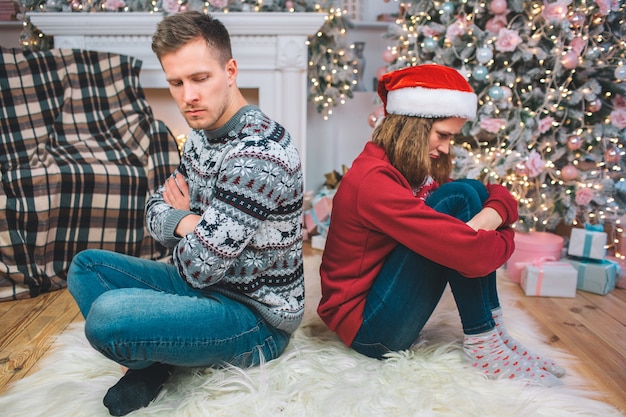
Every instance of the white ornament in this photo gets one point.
(484, 54)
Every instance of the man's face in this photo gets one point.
(201, 86)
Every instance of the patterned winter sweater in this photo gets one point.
(245, 180)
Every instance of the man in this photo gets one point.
(232, 214)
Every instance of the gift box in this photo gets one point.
(532, 247)
(588, 243)
(620, 275)
(549, 279)
(318, 214)
(595, 276)
(318, 242)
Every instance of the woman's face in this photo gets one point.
(442, 133)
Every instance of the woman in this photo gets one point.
(401, 230)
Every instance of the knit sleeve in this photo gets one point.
(252, 183)
(162, 219)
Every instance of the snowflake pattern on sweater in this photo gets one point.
(245, 180)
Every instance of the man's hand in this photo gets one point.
(176, 192)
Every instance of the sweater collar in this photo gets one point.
(232, 127)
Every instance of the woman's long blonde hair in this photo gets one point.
(405, 140)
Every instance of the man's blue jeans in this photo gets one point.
(139, 312)
(409, 286)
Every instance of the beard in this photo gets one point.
(209, 120)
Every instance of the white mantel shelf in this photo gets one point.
(270, 49)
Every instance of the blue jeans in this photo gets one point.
(139, 312)
(409, 286)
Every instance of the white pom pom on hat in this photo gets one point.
(429, 91)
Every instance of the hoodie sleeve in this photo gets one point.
(501, 200)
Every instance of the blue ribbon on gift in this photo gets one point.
(590, 230)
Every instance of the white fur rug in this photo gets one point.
(316, 377)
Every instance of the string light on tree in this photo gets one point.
(549, 75)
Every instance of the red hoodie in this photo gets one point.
(374, 210)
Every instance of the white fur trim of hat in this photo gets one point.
(429, 90)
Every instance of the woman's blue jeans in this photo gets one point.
(409, 286)
(139, 312)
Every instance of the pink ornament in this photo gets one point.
(498, 6)
(506, 92)
(372, 119)
(569, 172)
(375, 116)
(594, 106)
(289, 4)
(569, 60)
(521, 169)
(76, 5)
(574, 142)
(381, 71)
(577, 20)
(389, 56)
(612, 155)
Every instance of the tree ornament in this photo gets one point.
(569, 173)
(430, 44)
(484, 54)
(569, 60)
(498, 6)
(496, 92)
(506, 92)
(577, 20)
(289, 4)
(574, 142)
(480, 72)
(447, 8)
(612, 155)
(620, 73)
(389, 56)
(594, 106)
(375, 116)
(76, 5)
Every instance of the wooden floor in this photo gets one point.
(590, 327)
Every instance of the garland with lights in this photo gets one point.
(331, 67)
(550, 78)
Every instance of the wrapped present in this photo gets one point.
(318, 242)
(549, 279)
(589, 243)
(595, 276)
(318, 214)
(620, 277)
(532, 247)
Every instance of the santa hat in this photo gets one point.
(429, 91)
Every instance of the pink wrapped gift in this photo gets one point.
(549, 279)
(318, 214)
(531, 247)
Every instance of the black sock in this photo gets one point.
(136, 389)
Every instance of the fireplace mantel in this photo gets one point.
(270, 49)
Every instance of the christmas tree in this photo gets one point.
(551, 82)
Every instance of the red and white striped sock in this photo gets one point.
(543, 363)
(488, 353)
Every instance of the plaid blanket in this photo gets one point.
(80, 152)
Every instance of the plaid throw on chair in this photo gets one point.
(80, 152)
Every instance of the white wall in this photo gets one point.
(331, 143)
